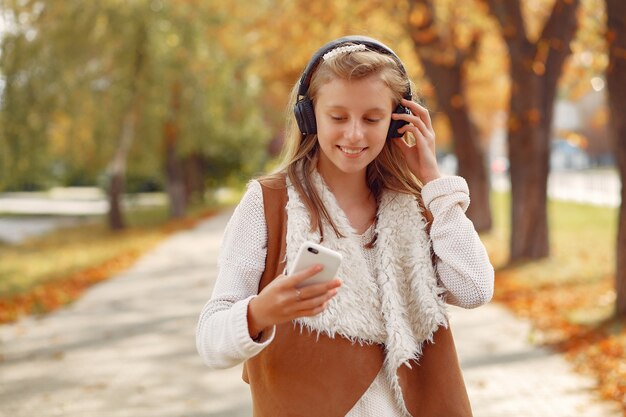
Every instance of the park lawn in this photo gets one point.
(570, 296)
(47, 272)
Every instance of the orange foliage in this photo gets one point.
(50, 296)
(598, 349)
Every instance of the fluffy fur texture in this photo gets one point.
(402, 306)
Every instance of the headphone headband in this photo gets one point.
(315, 60)
(304, 110)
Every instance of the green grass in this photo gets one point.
(66, 251)
(582, 243)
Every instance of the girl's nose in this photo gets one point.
(355, 131)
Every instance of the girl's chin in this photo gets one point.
(348, 167)
(341, 162)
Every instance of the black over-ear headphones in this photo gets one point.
(303, 109)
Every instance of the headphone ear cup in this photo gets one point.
(305, 116)
(397, 124)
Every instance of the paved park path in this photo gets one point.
(127, 348)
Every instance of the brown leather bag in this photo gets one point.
(303, 374)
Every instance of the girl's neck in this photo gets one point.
(347, 187)
(353, 196)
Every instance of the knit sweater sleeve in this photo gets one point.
(222, 336)
(463, 265)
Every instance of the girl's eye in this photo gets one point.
(370, 120)
(337, 118)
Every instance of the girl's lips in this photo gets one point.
(351, 151)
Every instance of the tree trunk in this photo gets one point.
(445, 65)
(535, 70)
(115, 192)
(530, 119)
(194, 178)
(117, 172)
(174, 178)
(175, 183)
(117, 168)
(620, 272)
(615, 77)
(467, 148)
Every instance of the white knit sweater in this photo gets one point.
(463, 268)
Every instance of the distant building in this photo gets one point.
(567, 155)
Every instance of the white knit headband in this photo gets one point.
(343, 50)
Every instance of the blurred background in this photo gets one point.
(122, 121)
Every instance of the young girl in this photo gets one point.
(375, 341)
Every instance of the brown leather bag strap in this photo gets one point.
(434, 386)
(275, 207)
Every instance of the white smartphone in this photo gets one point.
(311, 254)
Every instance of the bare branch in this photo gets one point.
(558, 25)
(553, 45)
(428, 39)
(509, 16)
(421, 23)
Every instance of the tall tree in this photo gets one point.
(117, 167)
(615, 77)
(28, 92)
(535, 68)
(445, 64)
(98, 86)
(201, 75)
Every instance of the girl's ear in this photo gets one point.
(305, 116)
(397, 124)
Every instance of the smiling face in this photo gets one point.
(353, 118)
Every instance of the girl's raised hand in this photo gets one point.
(420, 158)
(281, 301)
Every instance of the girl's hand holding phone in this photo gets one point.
(284, 299)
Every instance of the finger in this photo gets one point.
(404, 147)
(417, 127)
(415, 123)
(315, 290)
(313, 311)
(414, 151)
(318, 299)
(419, 110)
(299, 276)
(415, 107)
(421, 142)
(298, 295)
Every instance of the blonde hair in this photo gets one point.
(300, 152)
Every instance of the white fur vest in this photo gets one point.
(400, 307)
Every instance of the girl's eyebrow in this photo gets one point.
(340, 107)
